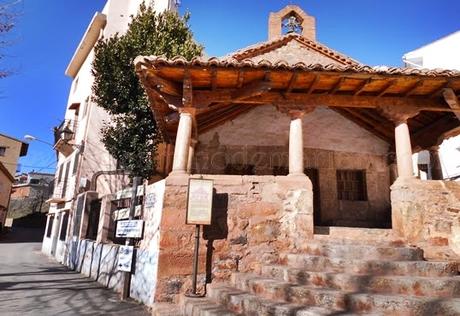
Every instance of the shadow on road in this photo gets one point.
(20, 235)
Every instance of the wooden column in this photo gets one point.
(296, 144)
(435, 164)
(182, 146)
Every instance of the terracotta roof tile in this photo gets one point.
(155, 61)
(260, 48)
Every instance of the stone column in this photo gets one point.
(399, 116)
(191, 154)
(181, 149)
(296, 144)
(403, 149)
(435, 164)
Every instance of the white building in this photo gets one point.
(442, 53)
(83, 162)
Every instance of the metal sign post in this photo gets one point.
(199, 212)
(129, 241)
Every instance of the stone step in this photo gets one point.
(370, 266)
(203, 307)
(362, 251)
(165, 309)
(272, 289)
(361, 303)
(371, 236)
(418, 286)
(244, 303)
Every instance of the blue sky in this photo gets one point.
(33, 100)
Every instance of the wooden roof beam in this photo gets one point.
(164, 85)
(258, 93)
(452, 100)
(252, 89)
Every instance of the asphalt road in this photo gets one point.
(32, 284)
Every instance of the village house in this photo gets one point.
(442, 53)
(10, 151)
(316, 209)
(29, 194)
(83, 162)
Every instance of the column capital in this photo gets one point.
(187, 111)
(299, 113)
(398, 114)
(193, 142)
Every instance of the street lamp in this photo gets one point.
(33, 138)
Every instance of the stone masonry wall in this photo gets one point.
(427, 214)
(254, 219)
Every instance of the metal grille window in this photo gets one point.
(351, 185)
(2, 151)
(65, 222)
(50, 226)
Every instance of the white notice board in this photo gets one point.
(199, 202)
(130, 228)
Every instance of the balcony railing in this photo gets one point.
(64, 136)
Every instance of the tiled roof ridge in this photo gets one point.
(143, 61)
(263, 47)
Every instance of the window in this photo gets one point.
(65, 222)
(50, 226)
(75, 162)
(2, 151)
(34, 181)
(60, 173)
(351, 185)
(93, 219)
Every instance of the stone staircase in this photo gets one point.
(346, 278)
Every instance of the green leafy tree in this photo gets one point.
(132, 135)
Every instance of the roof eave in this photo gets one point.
(86, 44)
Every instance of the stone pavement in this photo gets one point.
(33, 284)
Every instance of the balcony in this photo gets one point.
(59, 193)
(64, 137)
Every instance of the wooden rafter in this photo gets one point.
(362, 86)
(252, 89)
(240, 78)
(311, 88)
(412, 88)
(386, 88)
(383, 129)
(292, 82)
(213, 79)
(452, 100)
(436, 92)
(187, 94)
(337, 85)
(362, 124)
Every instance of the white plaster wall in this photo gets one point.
(323, 129)
(443, 53)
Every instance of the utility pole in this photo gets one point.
(130, 241)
